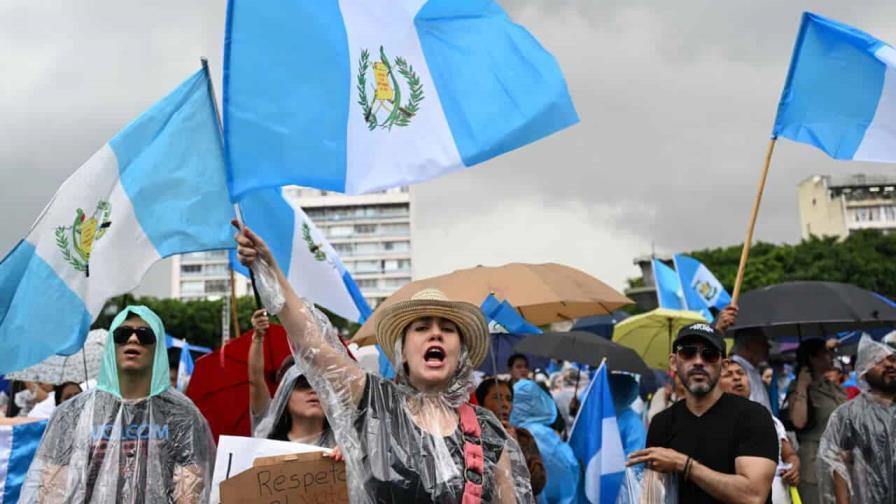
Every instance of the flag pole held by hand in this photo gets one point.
(745, 252)
(236, 206)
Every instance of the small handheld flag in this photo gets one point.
(309, 261)
(668, 287)
(596, 442)
(702, 290)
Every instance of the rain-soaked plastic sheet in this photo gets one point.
(858, 443)
(100, 448)
(648, 487)
(400, 444)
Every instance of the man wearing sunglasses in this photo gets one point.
(721, 447)
(131, 439)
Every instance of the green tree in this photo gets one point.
(865, 258)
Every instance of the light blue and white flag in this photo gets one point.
(503, 313)
(702, 290)
(184, 369)
(668, 287)
(356, 96)
(157, 188)
(309, 261)
(18, 444)
(840, 94)
(595, 440)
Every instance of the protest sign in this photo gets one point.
(236, 454)
(303, 478)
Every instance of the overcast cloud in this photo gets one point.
(676, 100)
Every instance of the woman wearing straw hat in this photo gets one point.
(416, 439)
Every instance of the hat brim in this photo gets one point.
(698, 336)
(468, 318)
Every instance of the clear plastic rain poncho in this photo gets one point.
(101, 448)
(384, 428)
(274, 423)
(535, 411)
(859, 442)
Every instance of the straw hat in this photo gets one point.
(434, 303)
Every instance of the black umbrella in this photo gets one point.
(812, 309)
(584, 348)
(601, 325)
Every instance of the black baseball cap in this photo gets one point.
(700, 331)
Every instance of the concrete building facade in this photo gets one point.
(836, 205)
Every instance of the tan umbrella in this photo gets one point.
(543, 293)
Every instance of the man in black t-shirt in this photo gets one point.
(722, 447)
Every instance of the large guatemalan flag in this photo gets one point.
(356, 96)
(309, 261)
(595, 440)
(840, 94)
(158, 188)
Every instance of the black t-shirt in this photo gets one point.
(733, 427)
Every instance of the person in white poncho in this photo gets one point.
(857, 452)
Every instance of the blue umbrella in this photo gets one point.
(601, 325)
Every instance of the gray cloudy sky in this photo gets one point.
(676, 100)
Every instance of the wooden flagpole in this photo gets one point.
(745, 251)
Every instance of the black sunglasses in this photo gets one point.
(122, 334)
(709, 355)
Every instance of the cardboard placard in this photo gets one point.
(303, 478)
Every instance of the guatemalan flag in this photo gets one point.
(310, 263)
(356, 96)
(668, 287)
(156, 189)
(840, 94)
(702, 290)
(18, 444)
(595, 440)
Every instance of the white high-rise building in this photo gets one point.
(370, 232)
(204, 275)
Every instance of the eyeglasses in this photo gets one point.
(708, 354)
(122, 334)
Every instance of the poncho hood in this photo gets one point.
(531, 404)
(108, 378)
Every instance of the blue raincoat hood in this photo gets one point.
(531, 404)
(108, 379)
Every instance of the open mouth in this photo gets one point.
(132, 352)
(434, 356)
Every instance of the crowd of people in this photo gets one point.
(717, 429)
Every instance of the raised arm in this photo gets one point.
(322, 356)
(259, 396)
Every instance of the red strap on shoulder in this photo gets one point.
(474, 461)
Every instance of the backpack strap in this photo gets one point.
(474, 461)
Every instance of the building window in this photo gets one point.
(188, 288)
(365, 228)
(366, 283)
(191, 268)
(339, 231)
(216, 286)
